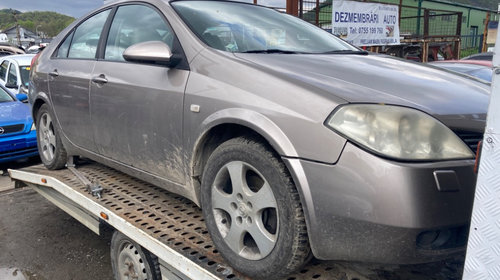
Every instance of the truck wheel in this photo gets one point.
(131, 261)
(253, 211)
(50, 147)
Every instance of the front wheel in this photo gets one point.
(50, 147)
(253, 211)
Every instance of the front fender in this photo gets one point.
(255, 121)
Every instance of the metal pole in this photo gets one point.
(292, 7)
(399, 12)
(419, 14)
(426, 23)
(485, 33)
(482, 258)
(459, 36)
(317, 12)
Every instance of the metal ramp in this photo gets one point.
(172, 228)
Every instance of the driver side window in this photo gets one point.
(134, 24)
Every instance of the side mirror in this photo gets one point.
(10, 85)
(21, 97)
(155, 52)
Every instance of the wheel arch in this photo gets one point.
(222, 126)
(41, 99)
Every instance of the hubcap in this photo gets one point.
(47, 137)
(245, 210)
(130, 264)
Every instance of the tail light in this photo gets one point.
(33, 60)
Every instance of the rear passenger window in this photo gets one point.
(64, 47)
(86, 37)
(134, 24)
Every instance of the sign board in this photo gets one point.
(492, 32)
(365, 24)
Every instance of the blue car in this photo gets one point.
(17, 131)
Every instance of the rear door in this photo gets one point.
(136, 108)
(69, 79)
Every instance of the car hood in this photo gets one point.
(14, 113)
(459, 102)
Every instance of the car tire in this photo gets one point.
(130, 261)
(253, 210)
(50, 147)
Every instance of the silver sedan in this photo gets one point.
(293, 142)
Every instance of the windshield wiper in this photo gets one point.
(347, 52)
(272, 51)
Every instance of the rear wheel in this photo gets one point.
(132, 262)
(50, 148)
(253, 211)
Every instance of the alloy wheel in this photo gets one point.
(245, 210)
(47, 137)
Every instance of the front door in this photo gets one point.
(136, 109)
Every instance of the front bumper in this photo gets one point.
(365, 208)
(18, 146)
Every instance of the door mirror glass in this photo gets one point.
(154, 52)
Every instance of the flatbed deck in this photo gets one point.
(172, 227)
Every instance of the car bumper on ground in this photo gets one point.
(18, 146)
(366, 208)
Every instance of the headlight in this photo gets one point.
(33, 127)
(398, 132)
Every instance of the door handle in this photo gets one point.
(101, 79)
(54, 73)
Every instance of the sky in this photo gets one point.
(78, 8)
(74, 8)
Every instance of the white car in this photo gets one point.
(15, 72)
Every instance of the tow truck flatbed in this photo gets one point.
(173, 229)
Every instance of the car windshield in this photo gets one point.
(25, 74)
(4, 96)
(245, 28)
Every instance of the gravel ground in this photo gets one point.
(38, 241)
(5, 182)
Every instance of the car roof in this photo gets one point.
(21, 59)
(10, 49)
